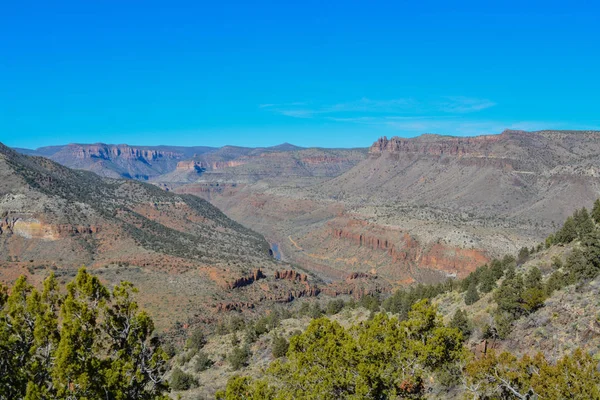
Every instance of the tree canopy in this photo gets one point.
(380, 358)
(87, 343)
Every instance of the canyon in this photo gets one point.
(343, 221)
(419, 209)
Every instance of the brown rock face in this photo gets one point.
(245, 280)
(226, 164)
(436, 145)
(407, 250)
(7, 224)
(31, 228)
(358, 275)
(291, 275)
(286, 296)
(108, 152)
(190, 166)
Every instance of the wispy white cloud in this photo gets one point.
(452, 115)
(462, 105)
(365, 107)
(458, 125)
(297, 113)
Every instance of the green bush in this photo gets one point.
(461, 322)
(197, 340)
(334, 306)
(182, 381)
(203, 362)
(279, 346)
(239, 357)
(472, 295)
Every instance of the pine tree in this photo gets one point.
(584, 224)
(279, 346)
(472, 295)
(487, 280)
(568, 232)
(461, 322)
(596, 211)
(523, 255)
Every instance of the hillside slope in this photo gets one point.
(183, 252)
(537, 176)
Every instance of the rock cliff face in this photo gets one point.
(190, 165)
(243, 165)
(435, 145)
(32, 228)
(245, 280)
(110, 152)
(291, 275)
(121, 161)
(514, 175)
(404, 249)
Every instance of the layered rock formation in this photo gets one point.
(291, 275)
(245, 280)
(434, 145)
(121, 161)
(406, 250)
(110, 152)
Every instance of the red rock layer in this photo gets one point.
(453, 260)
(291, 275)
(245, 280)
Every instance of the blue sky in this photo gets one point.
(313, 73)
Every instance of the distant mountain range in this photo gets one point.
(119, 161)
(172, 164)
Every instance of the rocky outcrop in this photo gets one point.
(291, 275)
(190, 165)
(109, 152)
(407, 250)
(286, 296)
(435, 145)
(357, 285)
(31, 228)
(7, 224)
(226, 164)
(245, 280)
(65, 229)
(359, 275)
